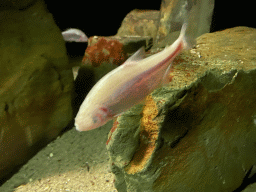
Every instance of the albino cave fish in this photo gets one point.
(78, 36)
(74, 35)
(127, 85)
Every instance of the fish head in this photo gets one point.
(87, 120)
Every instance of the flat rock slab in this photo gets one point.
(199, 132)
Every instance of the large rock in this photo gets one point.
(103, 49)
(36, 83)
(15, 4)
(199, 132)
(140, 23)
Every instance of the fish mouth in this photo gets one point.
(78, 128)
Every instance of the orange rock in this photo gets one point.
(104, 50)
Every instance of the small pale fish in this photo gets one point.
(127, 85)
(74, 35)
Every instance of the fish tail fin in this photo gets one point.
(188, 41)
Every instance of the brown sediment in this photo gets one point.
(148, 136)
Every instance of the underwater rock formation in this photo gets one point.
(101, 49)
(15, 4)
(36, 83)
(199, 132)
(140, 23)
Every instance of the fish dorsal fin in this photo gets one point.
(137, 56)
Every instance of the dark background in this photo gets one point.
(103, 18)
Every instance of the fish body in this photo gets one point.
(127, 85)
(74, 35)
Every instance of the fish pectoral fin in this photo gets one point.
(166, 77)
(137, 56)
(119, 114)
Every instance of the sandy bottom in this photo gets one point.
(75, 162)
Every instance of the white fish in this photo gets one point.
(74, 35)
(127, 85)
